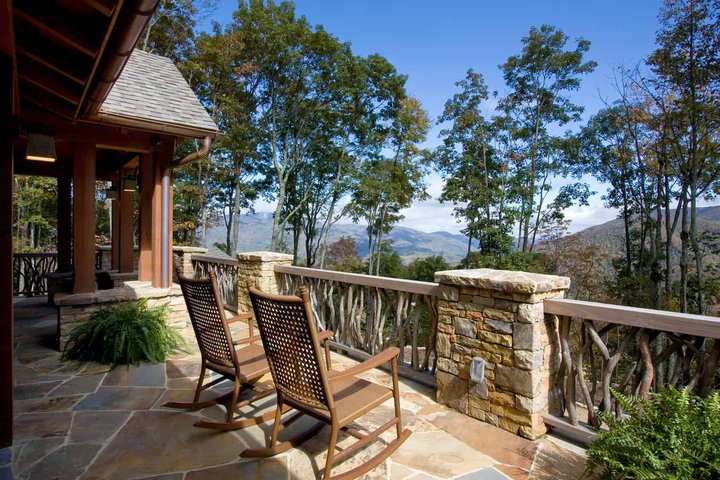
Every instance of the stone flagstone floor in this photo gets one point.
(90, 422)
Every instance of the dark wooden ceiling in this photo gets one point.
(59, 45)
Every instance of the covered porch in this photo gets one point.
(73, 86)
(85, 421)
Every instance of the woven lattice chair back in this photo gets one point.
(290, 341)
(208, 320)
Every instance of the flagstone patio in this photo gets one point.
(90, 422)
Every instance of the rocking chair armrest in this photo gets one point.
(387, 355)
(240, 317)
(324, 337)
(243, 341)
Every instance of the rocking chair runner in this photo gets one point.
(219, 353)
(292, 346)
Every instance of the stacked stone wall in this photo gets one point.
(497, 316)
(182, 259)
(75, 309)
(260, 268)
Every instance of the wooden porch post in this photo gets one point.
(125, 230)
(115, 233)
(64, 224)
(6, 293)
(156, 225)
(147, 188)
(84, 217)
(8, 134)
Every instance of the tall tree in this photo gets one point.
(539, 80)
(686, 68)
(476, 180)
(388, 184)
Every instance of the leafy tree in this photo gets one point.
(171, 30)
(475, 179)
(342, 255)
(686, 82)
(539, 80)
(386, 185)
(424, 269)
(35, 213)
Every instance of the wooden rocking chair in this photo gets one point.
(220, 354)
(292, 346)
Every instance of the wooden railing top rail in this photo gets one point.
(35, 255)
(686, 323)
(411, 286)
(210, 259)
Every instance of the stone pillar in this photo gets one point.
(259, 267)
(182, 259)
(497, 316)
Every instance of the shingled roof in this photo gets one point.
(152, 93)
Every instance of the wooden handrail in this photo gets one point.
(411, 286)
(686, 323)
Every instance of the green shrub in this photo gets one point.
(673, 435)
(123, 334)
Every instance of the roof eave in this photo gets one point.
(134, 16)
(154, 126)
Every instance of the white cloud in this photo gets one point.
(432, 216)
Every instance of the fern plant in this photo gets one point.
(123, 334)
(672, 435)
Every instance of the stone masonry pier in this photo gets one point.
(494, 319)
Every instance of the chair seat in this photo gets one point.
(353, 397)
(252, 364)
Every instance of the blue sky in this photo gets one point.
(435, 42)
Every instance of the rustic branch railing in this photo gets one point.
(226, 271)
(29, 271)
(630, 350)
(371, 313)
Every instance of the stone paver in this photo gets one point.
(144, 375)
(89, 421)
(120, 398)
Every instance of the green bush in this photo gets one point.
(673, 435)
(123, 334)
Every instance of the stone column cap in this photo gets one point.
(189, 249)
(506, 281)
(264, 257)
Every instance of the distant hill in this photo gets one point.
(256, 232)
(611, 235)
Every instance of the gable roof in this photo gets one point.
(152, 94)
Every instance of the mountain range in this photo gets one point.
(256, 229)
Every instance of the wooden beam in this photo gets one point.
(49, 80)
(57, 65)
(7, 113)
(147, 188)
(100, 54)
(42, 99)
(84, 217)
(53, 26)
(105, 7)
(103, 136)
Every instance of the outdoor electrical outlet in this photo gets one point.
(477, 369)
